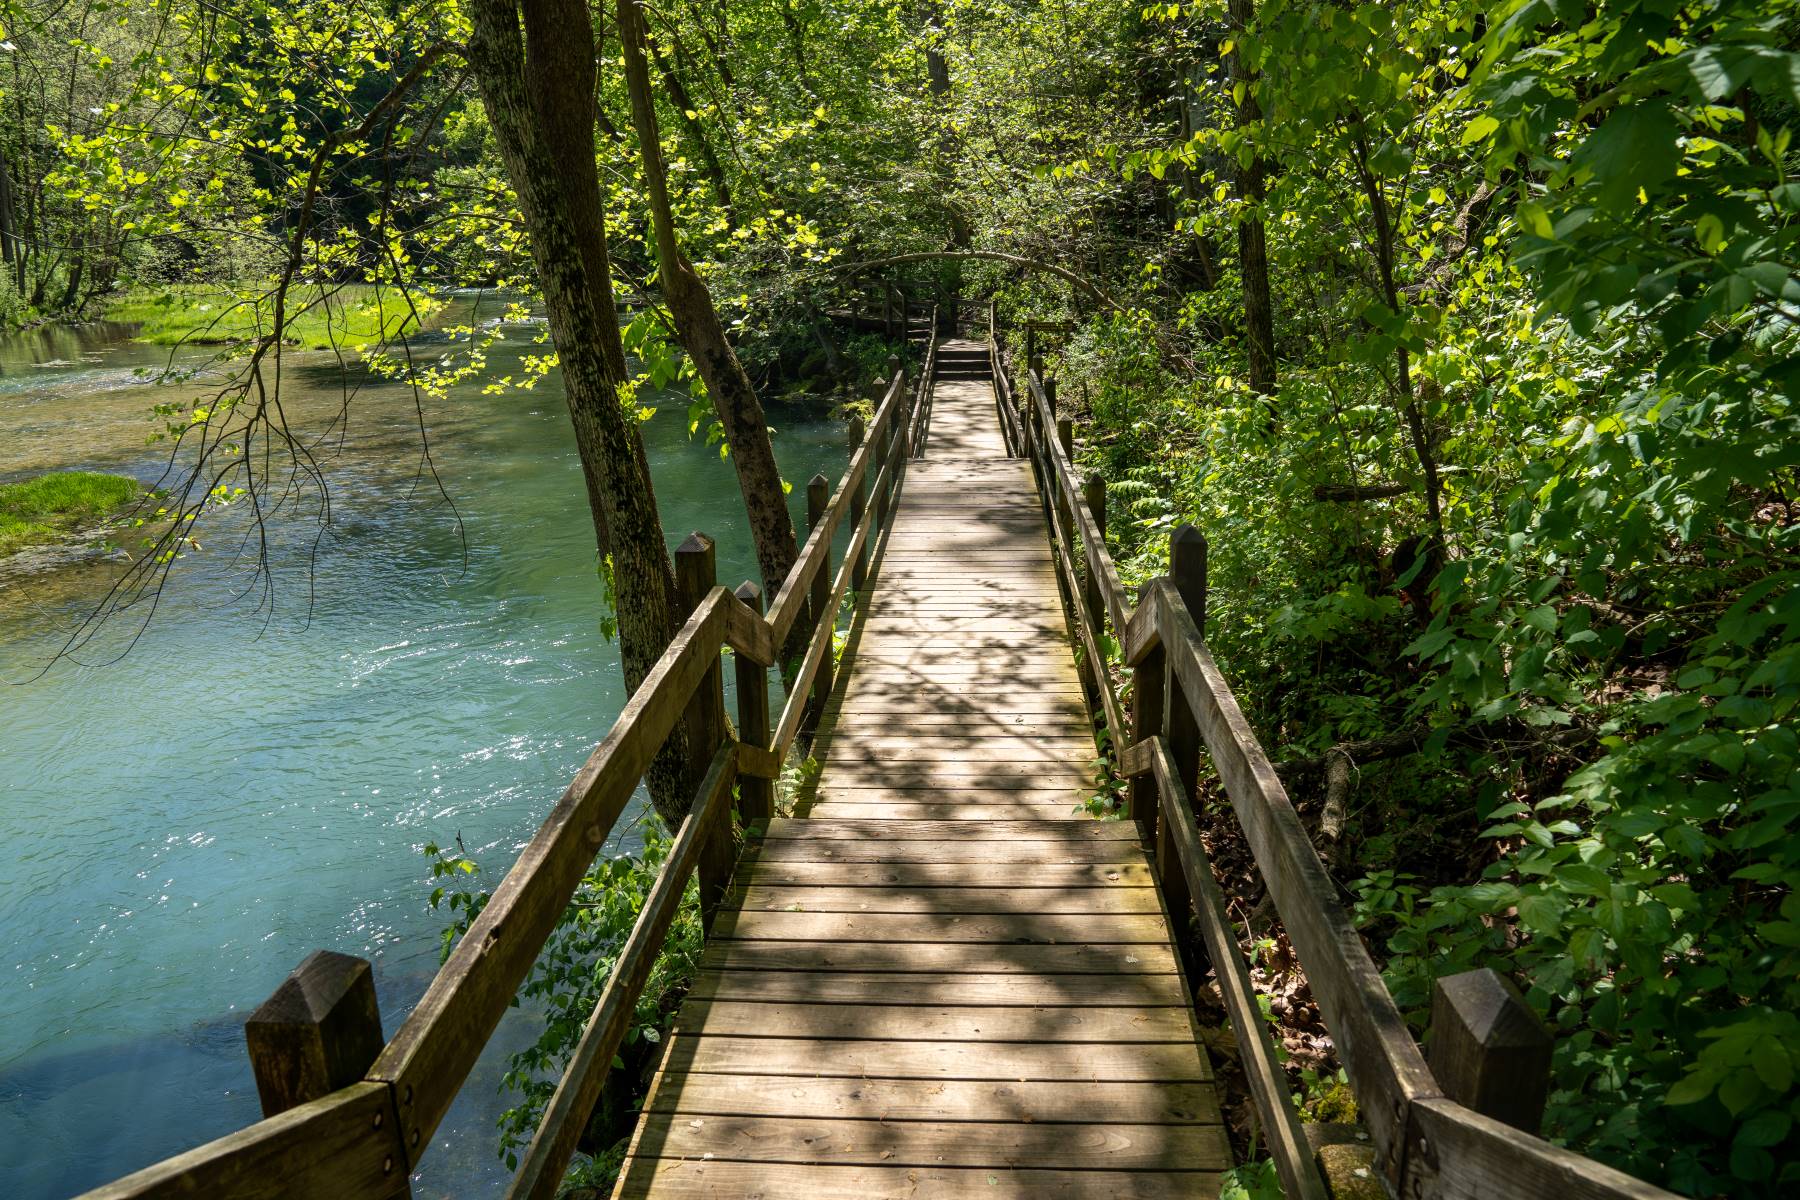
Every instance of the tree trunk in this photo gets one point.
(538, 91)
(1253, 250)
(703, 336)
(9, 237)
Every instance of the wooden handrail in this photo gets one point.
(790, 602)
(1268, 1086)
(540, 1173)
(1426, 1144)
(363, 1140)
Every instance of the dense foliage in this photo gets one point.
(1507, 520)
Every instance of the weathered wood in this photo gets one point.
(1148, 694)
(1280, 1124)
(1062, 830)
(1033, 1102)
(1488, 1049)
(925, 957)
(541, 1170)
(1112, 853)
(937, 988)
(756, 792)
(1187, 571)
(797, 588)
(991, 874)
(859, 571)
(316, 1033)
(719, 1180)
(1383, 1062)
(431, 1055)
(346, 1143)
(824, 610)
(1454, 1153)
(1040, 928)
(928, 1144)
(936, 900)
(1115, 1026)
(695, 576)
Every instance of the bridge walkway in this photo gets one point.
(939, 978)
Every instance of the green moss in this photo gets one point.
(318, 318)
(50, 507)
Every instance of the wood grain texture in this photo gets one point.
(941, 975)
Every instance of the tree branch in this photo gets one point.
(1031, 264)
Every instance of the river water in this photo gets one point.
(179, 827)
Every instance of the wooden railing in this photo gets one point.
(1437, 1130)
(347, 1116)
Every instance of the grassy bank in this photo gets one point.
(51, 507)
(318, 317)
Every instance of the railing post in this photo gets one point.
(1093, 492)
(1146, 721)
(695, 576)
(1488, 1049)
(859, 500)
(818, 497)
(319, 1031)
(1050, 396)
(756, 796)
(1187, 570)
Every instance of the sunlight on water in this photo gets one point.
(180, 827)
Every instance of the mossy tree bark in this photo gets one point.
(537, 84)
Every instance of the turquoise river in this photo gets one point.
(181, 823)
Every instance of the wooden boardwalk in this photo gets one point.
(940, 979)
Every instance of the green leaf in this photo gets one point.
(1478, 129)
(1634, 149)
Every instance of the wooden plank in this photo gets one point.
(756, 870)
(1169, 1062)
(1067, 810)
(942, 899)
(927, 1143)
(720, 1179)
(993, 775)
(847, 748)
(950, 794)
(936, 1023)
(1008, 928)
(1053, 723)
(979, 958)
(819, 850)
(862, 831)
(937, 988)
(1032, 1102)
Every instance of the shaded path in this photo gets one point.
(941, 979)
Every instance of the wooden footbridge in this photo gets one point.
(940, 976)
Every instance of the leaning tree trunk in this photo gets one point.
(702, 335)
(539, 94)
